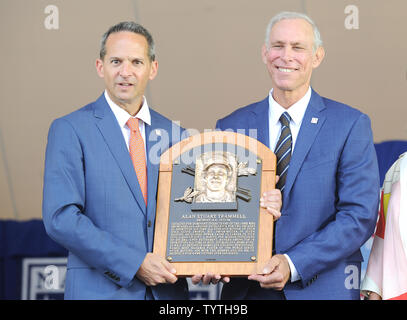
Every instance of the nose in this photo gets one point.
(286, 54)
(125, 70)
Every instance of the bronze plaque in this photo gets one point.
(208, 215)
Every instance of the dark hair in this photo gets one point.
(131, 27)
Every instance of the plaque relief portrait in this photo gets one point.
(215, 177)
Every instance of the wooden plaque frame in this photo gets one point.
(265, 220)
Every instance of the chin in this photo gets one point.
(124, 98)
(285, 88)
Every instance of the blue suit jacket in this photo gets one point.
(94, 207)
(330, 201)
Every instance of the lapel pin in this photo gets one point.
(314, 120)
(158, 132)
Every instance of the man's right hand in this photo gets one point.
(156, 270)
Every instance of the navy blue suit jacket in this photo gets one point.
(330, 200)
(93, 205)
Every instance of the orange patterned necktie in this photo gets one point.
(137, 154)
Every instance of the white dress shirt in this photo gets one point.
(296, 112)
(122, 116)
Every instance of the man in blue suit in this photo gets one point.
(331, 190)
(93, 202)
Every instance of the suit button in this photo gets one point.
(149, 223)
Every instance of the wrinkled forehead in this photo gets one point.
(292, 31)
(126, 43)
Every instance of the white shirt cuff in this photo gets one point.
(294, 274)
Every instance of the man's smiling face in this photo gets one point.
(290, 57)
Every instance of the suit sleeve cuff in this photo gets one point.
(294, 273)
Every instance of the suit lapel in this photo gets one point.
(111, 132)
(260, 121)
(306, 137)
(153, 133)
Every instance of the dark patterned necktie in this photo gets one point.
(283, 150)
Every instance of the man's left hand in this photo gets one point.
(275, 275)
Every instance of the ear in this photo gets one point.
(264, 53)
(318, 57)
(153, 69)
(99, 68)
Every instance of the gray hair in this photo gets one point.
(294, 15)
(131, 27)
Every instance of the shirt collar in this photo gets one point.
(296, 111)
(123, 116)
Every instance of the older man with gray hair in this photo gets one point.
(328, 172)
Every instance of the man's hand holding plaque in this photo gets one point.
(272, 201)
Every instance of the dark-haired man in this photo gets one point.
(100, 179)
